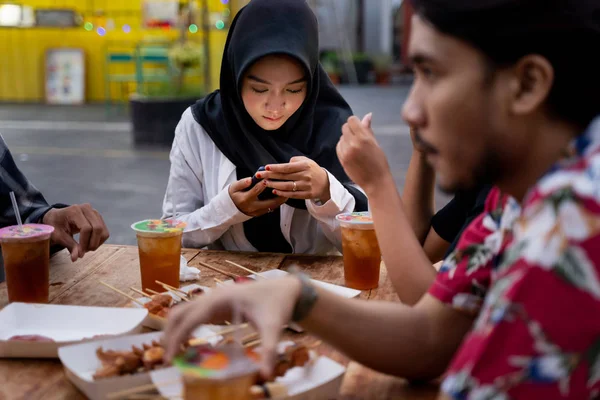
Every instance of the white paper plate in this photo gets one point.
(63, 324)
(339, 290)
(277, 273)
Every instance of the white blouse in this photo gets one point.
(199, 182)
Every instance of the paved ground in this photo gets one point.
(83, 154)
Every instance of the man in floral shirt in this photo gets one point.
(536, 335)
(505, 92)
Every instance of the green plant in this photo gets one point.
(185, 55)
(382, 63)
(170, 91)
(360, 57)
(330, 67)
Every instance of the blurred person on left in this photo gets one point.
(67, 220)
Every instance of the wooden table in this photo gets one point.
(77, 284)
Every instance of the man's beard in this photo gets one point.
(487, 172)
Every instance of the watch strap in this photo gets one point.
(307, 299)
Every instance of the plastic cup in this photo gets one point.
(159, 244)
(362, 257)
(234, 388)
(26, 254)
(230, 381)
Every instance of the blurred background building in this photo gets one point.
(124, 45)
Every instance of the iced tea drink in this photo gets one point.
(159, 244)
(362, 257)
(26, 254)
(217, 374)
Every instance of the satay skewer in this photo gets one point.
(229, 274)
(173, 292)
(257, 274)
(140, 292)
(253, 343)
(139, 389)
(197, 341)
(245, 269)
(173, 288)
(151, 291)
(122, 293)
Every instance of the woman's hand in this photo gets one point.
(301, 178)
(247, 201)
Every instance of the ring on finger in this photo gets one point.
(294, 188)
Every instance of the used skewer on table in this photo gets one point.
(257, 274)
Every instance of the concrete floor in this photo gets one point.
(81, 154)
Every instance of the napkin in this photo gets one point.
(187, 273)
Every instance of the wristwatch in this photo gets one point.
(308, 296)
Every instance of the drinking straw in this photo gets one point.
(16, 208)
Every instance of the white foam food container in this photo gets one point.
(277, 273)
(65, 325)
(337, 289)
(81, 362)
(321, 378)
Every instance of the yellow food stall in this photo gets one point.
(29, 29)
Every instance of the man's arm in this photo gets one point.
(32, 204)
(412, 342)
(418, 195)
(33, 208)
(408, 266)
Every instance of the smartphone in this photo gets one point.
(267, 193)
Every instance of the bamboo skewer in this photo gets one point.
(140, 292)
(122, 293)
(220, 282)
(229, 274)
(151, 291)
(139, 389)
(173, 293)
(245, 269)
(253, 343)
(197, 341)
(172, 288)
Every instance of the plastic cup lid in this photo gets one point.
(217, 364)
(28, 231)
(159, 226)
(355, 218)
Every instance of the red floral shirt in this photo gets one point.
(533, 278)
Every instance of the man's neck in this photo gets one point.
(548, 146)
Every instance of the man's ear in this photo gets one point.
(530, 85)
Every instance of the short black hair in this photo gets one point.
(565, 32)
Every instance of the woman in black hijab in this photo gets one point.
(276, 108)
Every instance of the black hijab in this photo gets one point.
(266, 27)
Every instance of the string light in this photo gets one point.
(101, 31)
(226, 12)
(193, 28)
(220, 24)
(126, 28)
(88, 26)
(224, 1)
